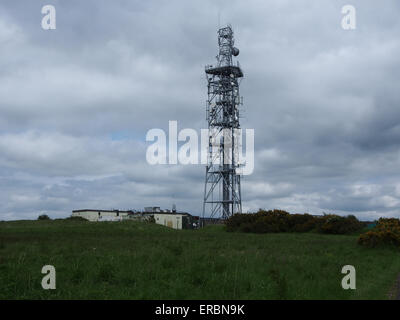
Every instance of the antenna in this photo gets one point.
(222, 194)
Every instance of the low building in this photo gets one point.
(176, 220)
(102, 215)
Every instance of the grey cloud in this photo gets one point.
(323, 103)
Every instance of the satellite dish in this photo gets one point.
(235, 51)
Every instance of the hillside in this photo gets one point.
(134, 260)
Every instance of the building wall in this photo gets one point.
(175, 221)
(103, 216)
(169, 220)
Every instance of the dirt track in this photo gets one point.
(394, 293)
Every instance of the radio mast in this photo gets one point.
(222, 195)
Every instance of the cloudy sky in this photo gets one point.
(76, 103)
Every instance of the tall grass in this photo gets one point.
(136, 260)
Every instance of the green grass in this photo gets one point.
(134, 260)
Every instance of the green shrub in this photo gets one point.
(386, 232)
(301, 222)
(334, 224)
(260, 222)
(240, 222)
(272, 221)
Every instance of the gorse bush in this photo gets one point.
(334, 224)
(301, 222)
(386, 232)
(273, 221)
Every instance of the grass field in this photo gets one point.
(137, 260)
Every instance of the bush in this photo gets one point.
(334, 224)
(271, 221)
(260, 222)
(386, 232)
(281, 221)
(43, 217)
(301, 222)
(240, 222)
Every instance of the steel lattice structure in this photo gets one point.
(222, 195)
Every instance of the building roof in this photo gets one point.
(132, 212)
(172, 213)
(100, 210)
